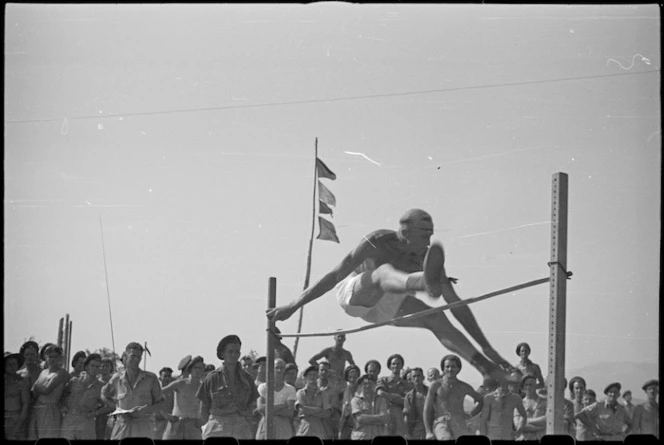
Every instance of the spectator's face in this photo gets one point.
(529, 387)
(79, 364)
(588, 399)
(133, 358)
(246, 365)
(166, 377)
(373, 369)
(368, 386)
(11, 366)
(105, 369)
(628, 398)
(53, 360)
(197, 371)
(93, 367)
(396, 365)
(578, 388)
(279, 368)
(261, 369)
(612, 395)
(353, 375)
(433, 374)
(323, 370)
(524, 352)
(231, 354)
(339, 340)
(311, 378)
(30, 357)
(290, 376)
(652, 392)
(451, 368)
(417, 377)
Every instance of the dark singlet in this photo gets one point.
(387, 249)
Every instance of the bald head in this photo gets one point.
(416, 218)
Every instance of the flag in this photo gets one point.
(323, 171)
(147, 350)
(324, 208)
(325, 195)
(327, 230)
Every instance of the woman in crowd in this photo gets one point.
(31, 363)
(394, 389)
(313, 406)
(526, 366)
(17, 397)
(284, 405)
(228, 395)
(46, 417)
(577, 388)
(351, 374)
(535, 407)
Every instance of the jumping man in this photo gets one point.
(378, 280)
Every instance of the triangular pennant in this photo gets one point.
(324, 208)
(323, 171)
(325, 195)
(327, 230)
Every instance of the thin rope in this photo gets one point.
(428, 311)
(325, 100)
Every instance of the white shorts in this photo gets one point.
(386, 308)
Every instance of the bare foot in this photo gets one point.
(493, 355)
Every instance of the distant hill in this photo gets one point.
(630, 375)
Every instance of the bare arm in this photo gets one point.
(479, 401)
(524, 415)
(430, 408)
(173, 386)
(349, 358)
(314, 360)
(41, 388)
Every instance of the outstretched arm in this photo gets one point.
(479, 401)
(314, 360)
(351, 262)
(429, 409)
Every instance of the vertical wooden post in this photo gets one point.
(65, 345)
(71, 327)
(269, 365)
(60, 332)
(557, 305)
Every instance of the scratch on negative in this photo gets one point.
(643, 59)
(370, 242)
(363, 155)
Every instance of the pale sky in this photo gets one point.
(190, 130)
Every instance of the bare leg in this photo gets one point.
(463, 313)
(373, 284)
(447, 334)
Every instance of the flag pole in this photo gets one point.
(108, 291)
(311, 246)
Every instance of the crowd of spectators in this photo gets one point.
(332, 398)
